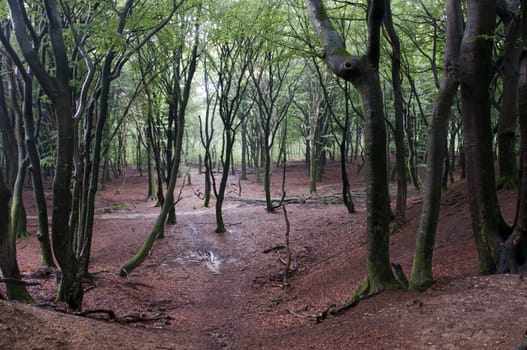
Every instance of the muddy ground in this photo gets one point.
(202, 290)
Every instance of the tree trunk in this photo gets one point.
(363, 72)
(8, 262)
(243, 174)
(346, 194)
(8, 137)
(421, 277)
(58, 89)
(476, 52)
(229, 142)
(400, 151)
(514, 255)
(36, 175)
(508, 119)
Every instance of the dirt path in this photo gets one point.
(203, 290)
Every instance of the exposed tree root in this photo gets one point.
(400, 276)
(364, 291)
(361, 293)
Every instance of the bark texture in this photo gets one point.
(421, 277)
(363, 73)
(476, 53)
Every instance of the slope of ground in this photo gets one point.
(201, 290)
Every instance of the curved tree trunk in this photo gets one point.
(421, 277)
(363, 72)
(168, 205)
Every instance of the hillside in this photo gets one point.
(201, 290)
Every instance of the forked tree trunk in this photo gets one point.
(363, 72)
(58, 89)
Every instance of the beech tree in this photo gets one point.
(400, 151)
(514, 255)
(182, 90)
(488, 225)
(363, 73)
(508, 63)
(57, 87)
(8, 261)
(273, 97)
(29, 133)
(421, 276)
(232, 83)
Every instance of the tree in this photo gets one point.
(273, 97)
(113, 62)
(58, 89)
(8, 261)
(400, 151)
(32, 150)
(233, 62)
(421, 276)
(508, 119)
(363, 73)
(514, 255)
(488, 226)
(206, 129)
(183, 98)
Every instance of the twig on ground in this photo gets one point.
(288, 248)
(272, 249)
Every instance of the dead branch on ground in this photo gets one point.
(18, 282)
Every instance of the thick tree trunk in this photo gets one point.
(421, 277)
(363, 72)
(59, 91)
(514, 255)
(8, 262)
(508, 120)
(476, 52)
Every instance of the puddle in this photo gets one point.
(207, 257)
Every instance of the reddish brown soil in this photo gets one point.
(202, 290)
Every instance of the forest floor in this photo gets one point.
(203, 290)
